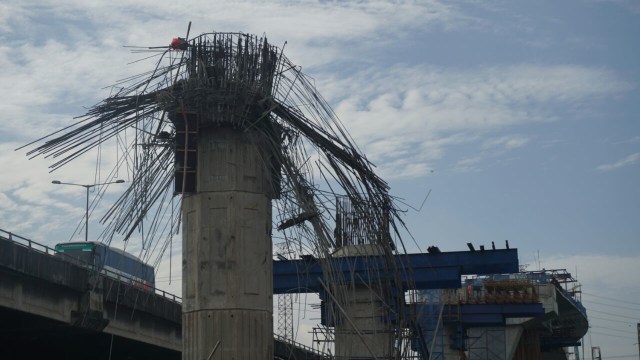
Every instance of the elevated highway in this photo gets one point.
(54, 308)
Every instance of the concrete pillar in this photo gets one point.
(227, 264)
(448, 349)
(364, 335)
(520, 337)
(513, 335)
(90, 314)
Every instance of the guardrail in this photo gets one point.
(26, 242)
(317, 353)
(43, 249)
(574, 301)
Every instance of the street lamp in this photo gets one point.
(86, 216)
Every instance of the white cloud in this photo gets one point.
(467, 165)
(506, 142)
(392, 112)
(58, 58)
(315, 30)
(627, 161)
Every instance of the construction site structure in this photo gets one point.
(523, 316)
(229, 126)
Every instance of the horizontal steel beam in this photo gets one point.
(415, 271)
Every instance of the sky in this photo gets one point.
(519, 119)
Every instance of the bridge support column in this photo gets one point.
(363, 332)
(227, 256)
(90, 313)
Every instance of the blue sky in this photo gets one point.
(521, 117)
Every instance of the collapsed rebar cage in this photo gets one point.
(321, 183)
(226, 77)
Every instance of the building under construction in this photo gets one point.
(228, 141)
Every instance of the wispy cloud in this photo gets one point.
(402, 115)
(303, 23)
(631, 5)
(403, 107)
(58, 58)
(506, 142)
(467, 165)
(627, 161)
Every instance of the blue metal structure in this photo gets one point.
(417, 271)
(441, 270)
(428, 330)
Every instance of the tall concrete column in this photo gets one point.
(364, 335)
(227, 257)
(449, 349)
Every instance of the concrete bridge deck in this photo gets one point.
(56, 309)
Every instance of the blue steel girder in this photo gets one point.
(415, 271)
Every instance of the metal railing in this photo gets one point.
(28, 243)
(317, 353)
(43, 249)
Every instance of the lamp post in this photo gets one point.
(86, 216)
